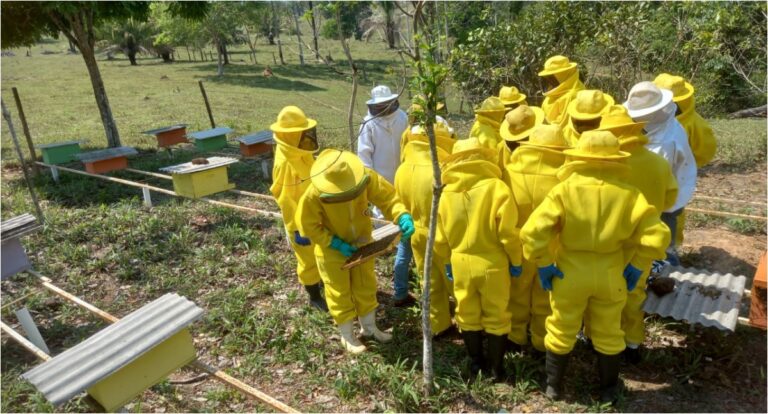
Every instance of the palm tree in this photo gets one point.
(129, 37)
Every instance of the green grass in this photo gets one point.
(100, 243)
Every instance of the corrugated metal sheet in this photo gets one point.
(700, 297)
(110, 349)
(210, 133)
(164, 129)
(106, 154)
(58, 144)
(188, 167)
(18, 226)
(256, 138)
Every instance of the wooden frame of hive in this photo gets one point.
(106, 160)
(170, 135)
(384, 239)
(256, 144)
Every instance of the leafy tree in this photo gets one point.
(129, 36)
(24, 23)
(350, 12)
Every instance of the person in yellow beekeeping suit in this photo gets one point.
(414, 181)
(488, 118)
(584, 113)
(594, 218)
(476, 229)
(651, 174)
(700, 135)
(511, 97)
(532, 172)
(517, 126)
(334, 214)
(296, 139)
(561, 82)
(444, 134)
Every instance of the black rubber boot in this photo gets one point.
(497, 347)
(632, 355)
(555, 367)
(513, 347)
(473, 341)
(608, 369)
(316, 300)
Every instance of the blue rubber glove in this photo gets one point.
(343, 247)
(406, 225)
(515, 271)
(632, 276)
(301, 241)
(449, 272)
(546, 274)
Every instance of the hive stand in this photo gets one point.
(259, 145)
(211, 139)
(170, 135)
(124, 359)
(199, 180)
(106, 160)
(14, 257)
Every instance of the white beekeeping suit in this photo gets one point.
(378, 144)
(666, 136)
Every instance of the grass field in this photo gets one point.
(101, 244)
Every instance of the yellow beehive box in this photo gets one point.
(147, 370)
(197, 180)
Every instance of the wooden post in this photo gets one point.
(147, 197)
(207, 105)
(25, 128)
(274, 59)
(27, 180)
(280, 51)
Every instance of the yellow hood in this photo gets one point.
(700, 134)
(468, 173)
(600, 170)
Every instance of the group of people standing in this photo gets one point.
(550, 221)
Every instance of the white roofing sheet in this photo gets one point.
(105, 154)
(188, 167)
(164, 129)
(112, 348)
(256, 138)
(210, 133)
(18, 226)
(700, 297)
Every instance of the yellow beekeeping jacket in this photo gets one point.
(486, 130)
(290, 178)
(555, 104)
(650, 173)
(532, 174)
(700, 135)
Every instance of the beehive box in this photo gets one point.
(257, 143)
(60, 152)
(757, 306)
(14, 257)
(199, 180)
(103, 161)
(211, 139)
(124, 359)
(170, 135)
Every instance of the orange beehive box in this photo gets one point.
(757, 307)
(168, 136)
(256, 143)
(103, 161)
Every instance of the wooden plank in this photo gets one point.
(24, 342)
(384, 239)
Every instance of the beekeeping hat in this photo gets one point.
(381, 94)
(292, 119)
(338, 175)
(681, 90)
(470, 149)
(598, 145)
(589, 104)
(646, 98)
(490, 105)
(520, 122)
(509, 95)
(557, 64)
(617, 119)
(547, 136)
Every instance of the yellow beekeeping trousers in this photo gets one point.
(306, 266)
(348, 293)
(440, 286)
(481, 287)
(680, 228)
(633, 317)
(593, 286)
(529, 306)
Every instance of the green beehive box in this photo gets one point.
(60, 152)
(211, 139)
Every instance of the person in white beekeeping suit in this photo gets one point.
(378, 146)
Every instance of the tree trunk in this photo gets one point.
(189, 57)
(72, 48)
(220, 69)
(759, 111)
(222, 49)
(280, 51)
(100, 93)
(132, 57)
(251, 45)
(314, 31)
(390, 29)
(298, 33)
(166, 55)
(345, 47)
